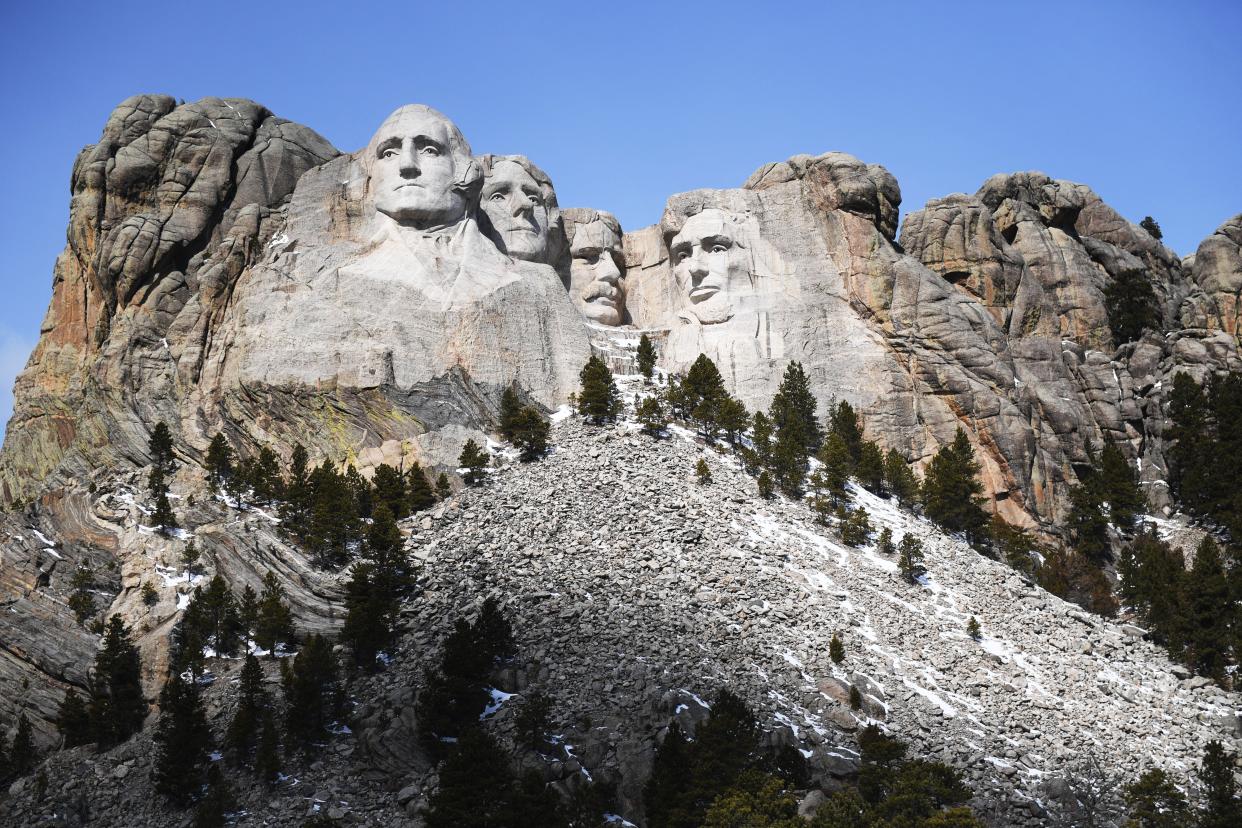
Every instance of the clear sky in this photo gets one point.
(624, 104)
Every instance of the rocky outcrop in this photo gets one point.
(635, 593)
(1216, 270)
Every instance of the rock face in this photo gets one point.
(229, 271)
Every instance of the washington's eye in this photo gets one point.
(430, 150)
(391, 152)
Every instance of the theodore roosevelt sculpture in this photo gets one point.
(596, 265)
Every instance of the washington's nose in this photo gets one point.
(408, 160)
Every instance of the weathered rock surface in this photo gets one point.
(628, 620)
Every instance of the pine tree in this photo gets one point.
(443, 487)
(731, 417)
(265, 477)
(82, 600)
(182, 740)
(472, 461)
(856, 529)
(1154, 801)
(761, 438)
(390, 489)
(910, 558)
(598, 398)
(1121, 489)
(835, 459)
(533, 721)
(855, 698)
(646, 357)
(274, 622)
(421, 495)
(794, 407)
(530, 434)
(476, 786)
(295, 514)
(213, 808)
(836, 650)
(313, 698)
(215, 611)
(1086, 524)
(510, 408)
(1191, 464)
(870, 468)
(117, 706)
(162, 516)
(702, 472)
(1131, 306)
(899, 478)
(789, 460)
(333, 516)
(651, 415)
(242, 736)
(73, 721)
(951, 489)
(190, 560)
(884, 545)
(1208, 613)
(219, 461)
(843, 420)
(1223, 808)
(702, 383)
(766, 488)
(1153, 229)
(248, 611)
(669, 779)
(1153, 581)
(267, 753)
(972, 629)
(23, 755)
(161, 448)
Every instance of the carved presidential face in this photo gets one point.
(595, 272)
(516, 211)
(711, 265)
(415, 169)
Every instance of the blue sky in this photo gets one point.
(624, 104)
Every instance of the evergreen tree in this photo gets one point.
(219, 461)
(843, 420)
(274, 622)
(1153, 581)
(295, 514)
(162, 516)
(390, 490)
(1208, 612)
(761, 438)
(1121, 489)
(794, 406)
(183, 741)
(478, 789)
(899, 478)
(755, 800)
(910, 558)
(313, 697)
(265, 479)
(669, 779)
(856, 701)
(651, 415)
(1191, 463)
(1087, 526)
(856, 528)
(23, 755)
(443, 487)
(333, 516)
(870, 468)
(190, 560)
(215, 611)
(646, 357)
(702, 472)
(533, 721)
(267, 753)
(1014, 545)
(789, 460)
(421, 494)
(213, 808)
(1153, 229)
(765, 485)
(884, 545)
(880, 756)
(702, 383)
(367, 620)
(835, 459)
(242, 737)
(248, 611)
(73, 721)
(836, 650)
(117, 706)
(1131, 306)
(1154, 801)
(510, 409)
(731, 417)
(598, 398)
(972, 629)
(82, 600)
(472, 461)
(1222, 806)
(951, 489)
(160, 448)
(530, 434)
